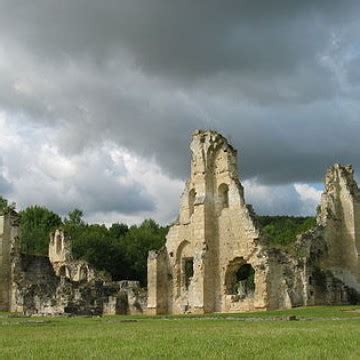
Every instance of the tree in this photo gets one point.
(119, 250)
(3, 204)
(75, 217)
(282, 230)
(74, 226)
(36, 223)
(118, 231)
(137, 243)
(93, 244)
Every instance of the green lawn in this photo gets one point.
(321, 333)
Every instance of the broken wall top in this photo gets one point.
(60, 249)
(205, 146)
(341, 190)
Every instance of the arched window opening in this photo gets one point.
(192, 196)
(83, 275)
(245, 280)
(223, 195)
(188, 270)
(240, 279)
(183, 252)
(58, 244)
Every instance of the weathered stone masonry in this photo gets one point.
(57, 284)
(8, 234)
(216, 258)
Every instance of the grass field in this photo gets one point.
(320, 333)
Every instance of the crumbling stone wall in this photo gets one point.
(8, 234)
(58, 284)
(215, 240)
(60, 256)
(340, 218)
(214, 236)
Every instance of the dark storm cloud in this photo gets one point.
(278, 77)
(188, 38)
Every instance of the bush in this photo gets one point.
(282, 230)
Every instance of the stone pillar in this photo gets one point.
(157, 282)
(4, 265)
(8, 232)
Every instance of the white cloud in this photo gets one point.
(291, 199)
(310, 197)
(108, 182)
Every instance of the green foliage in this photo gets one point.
(136, 244)
(75, 218)
(282, 230)
(118, 230)
(94, 244)
(36, 223)
(119, 250)
(3, 204)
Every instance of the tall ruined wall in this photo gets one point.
(214, 236)
(324, 268)
(8, 234)
(340, 218)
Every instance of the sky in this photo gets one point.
(98, 100)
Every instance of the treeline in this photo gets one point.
(3, 204)
(120, 250)
(282, 230)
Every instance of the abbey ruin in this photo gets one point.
(216, 258)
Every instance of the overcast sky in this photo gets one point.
(98, 100)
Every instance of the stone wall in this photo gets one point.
(57, 284)
(8, 234)
(214, 236)
(217, 259)
(38, 290)
(60, 256)
(340, 218)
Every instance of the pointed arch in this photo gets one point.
(184, 266)
(223, 196)
(83, 273)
